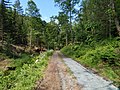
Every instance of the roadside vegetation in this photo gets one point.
(102, 57)
(87, 30)
(24, 71)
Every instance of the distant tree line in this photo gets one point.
(25, 28)
(89, 20)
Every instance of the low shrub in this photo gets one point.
(28, 71)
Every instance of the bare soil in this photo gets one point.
(57, 76)
(4, 64)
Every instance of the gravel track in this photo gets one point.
(87, 78)
(58, 76)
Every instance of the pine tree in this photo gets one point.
(32, 13)
(68, 6)
(18, 23)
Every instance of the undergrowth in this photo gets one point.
(28, 69)
(103, 56)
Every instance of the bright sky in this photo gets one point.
(47, 8)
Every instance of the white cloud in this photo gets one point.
(47, 19)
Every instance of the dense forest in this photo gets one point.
(86, 30)
(77, 22)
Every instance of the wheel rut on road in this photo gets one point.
(57, 76)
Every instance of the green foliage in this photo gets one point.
(28, 71)
(32, 9)
(23, 59)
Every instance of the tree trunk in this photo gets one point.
(117, 23)
(66, 39)
(30, 43)
(71, 22)
(1, 30)
(71, 27)
(1, 21)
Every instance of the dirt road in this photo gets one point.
(58, 76)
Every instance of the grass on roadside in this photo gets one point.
(28, 71)
(103, 57)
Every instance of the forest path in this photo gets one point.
(58, 76)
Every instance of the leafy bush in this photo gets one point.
(28, 71)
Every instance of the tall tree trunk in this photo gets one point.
(110, 36)
(71, 26)
(71, 21)
(110, 19)
(117, 23)
(66, 38)
(30, 43)
(1, 30)
(1, 21)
